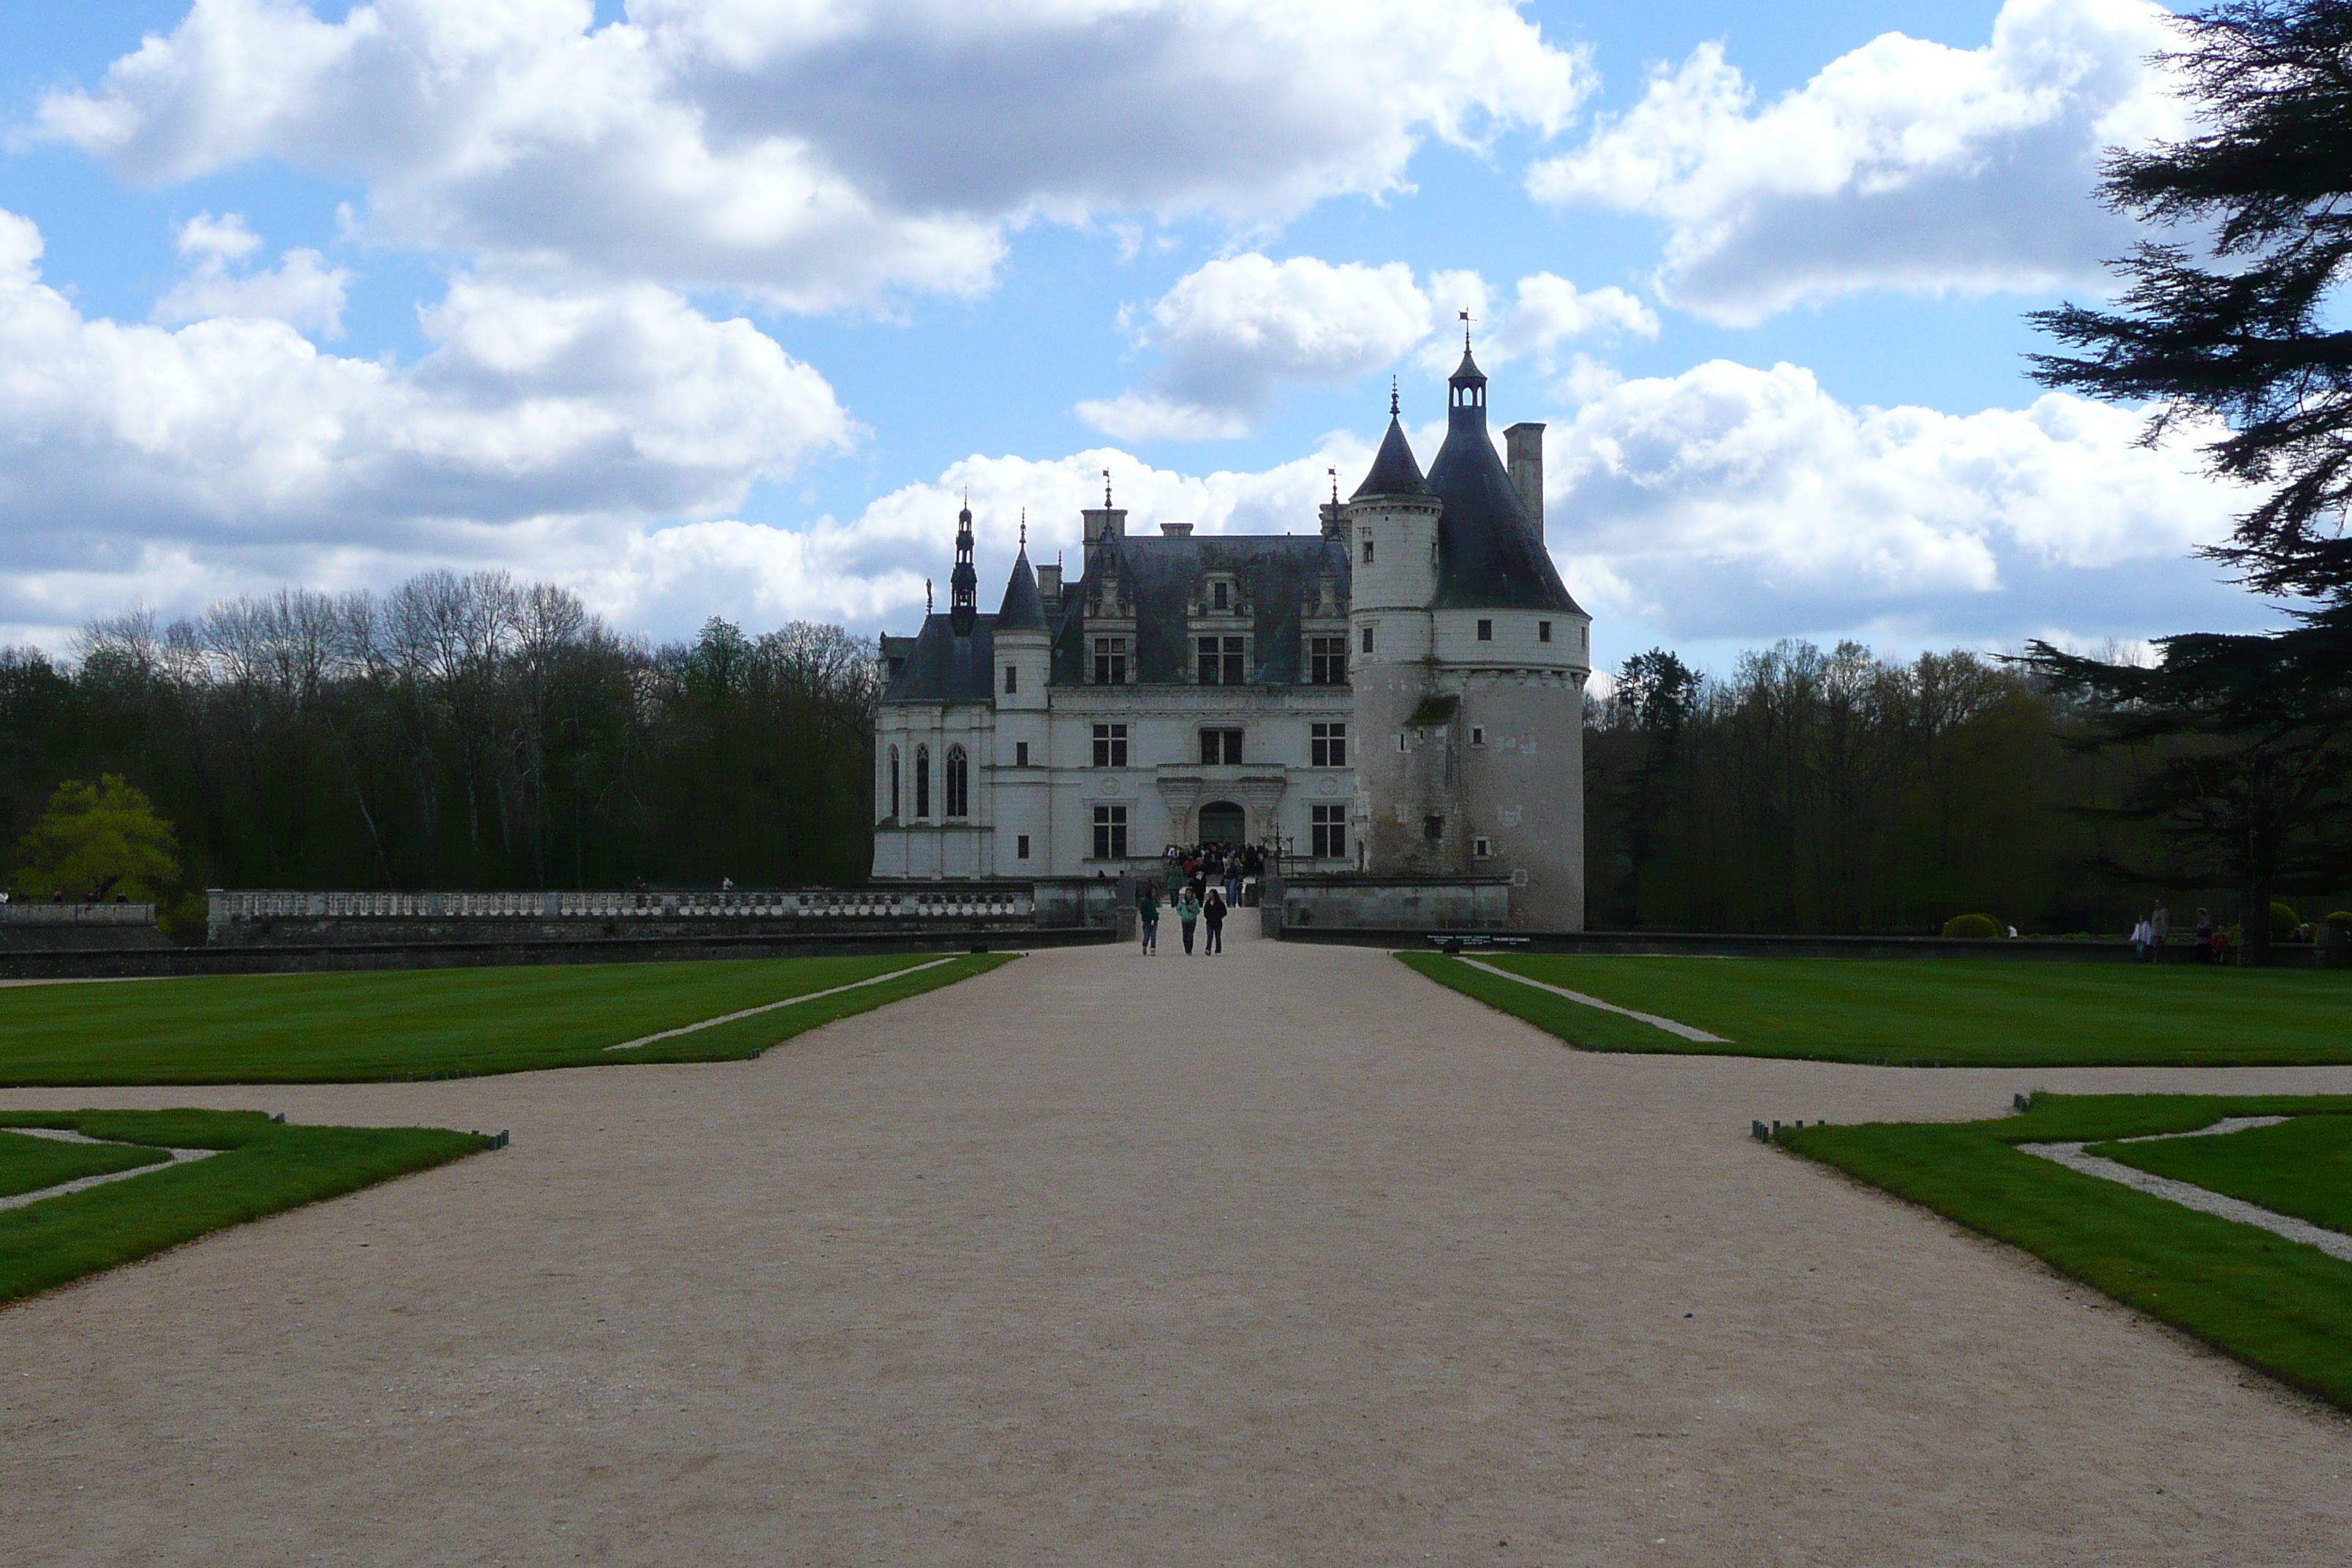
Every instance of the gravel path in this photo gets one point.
(1283, 1257)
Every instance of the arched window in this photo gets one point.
(923, 783)
(894, 784)
(958, 783)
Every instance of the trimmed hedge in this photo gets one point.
(1973, 926)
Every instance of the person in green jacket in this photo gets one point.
(1187, 911)
(1147, 916)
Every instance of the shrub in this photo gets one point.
(2283, 920)
(2341, 917)
(1973, 926)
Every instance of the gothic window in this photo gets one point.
(894, 782)
(1110, 745)
(1330, 825)
(1328, 745)
(1110, 662)
(1111, 833)
(1327, 660)
(958, 783)
(923, 783)
(1221, 747)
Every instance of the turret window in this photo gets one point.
(1012, 679)
(1367, 639)
(1543, 631)
(1020, 754)
(958, 783)
(1485, 631)
(1367, 548)
(1432, 829)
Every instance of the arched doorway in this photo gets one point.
(1222, 822)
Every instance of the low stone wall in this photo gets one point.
(1707, 945)
(290, 919)
(1438, 903)
(37, 928)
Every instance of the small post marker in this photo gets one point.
(1762, 1134)
(2020, 1103)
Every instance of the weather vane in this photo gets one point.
(1465, 331)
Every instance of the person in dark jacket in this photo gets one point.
(1213, 915)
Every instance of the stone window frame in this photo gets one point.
(958, 781)
(1110, 745)
(1227, 744)
(1328, 830)
(1110, 831)
(1326, 745)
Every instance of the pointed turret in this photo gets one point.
(1023, 609)
(1491, 552)
(1394, 470)
(963, 584)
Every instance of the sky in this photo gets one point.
(720, 307)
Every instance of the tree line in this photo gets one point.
(458, 732)
(1829, 791)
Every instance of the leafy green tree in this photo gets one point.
(2247, 337)
(103, 839)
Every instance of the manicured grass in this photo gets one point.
(27, 1164)
(268, 1167)
(2302, 1167)
(443, 1023)
(2275, 1304)
(1931, 1012)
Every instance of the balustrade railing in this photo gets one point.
(850, 904)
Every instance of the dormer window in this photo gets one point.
(1110, 662)
(1221, 595)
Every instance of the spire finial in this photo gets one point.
(1335, 485)
(927, 595)
(1024, 527)
(1392, 397)
(1465, 331)
(1105, 490)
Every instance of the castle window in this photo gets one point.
(1021, 847)
(1012, 679)
(1326, 662)
(923, 783)
(898, 663)
(1222, 596)
(1221, 660)
(1221, 748)
(1485, 631)
(1367, 639)
(894, 782)
(1326, 745)
(1482, 848)
(958, 783)
(1368, 547)
(1111, 833)
(1432, 829)
(1477, 734)
(1110, 745)
(1020, 754)
(1110, 662)
(1329, 825)
(1543, 631)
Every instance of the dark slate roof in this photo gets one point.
(1023, 610)
(1275, 573)
(944, 668)
(1394, 473)
(1489, 553)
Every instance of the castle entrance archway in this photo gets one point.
(1222, 822)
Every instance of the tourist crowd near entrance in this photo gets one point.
(1398, 694)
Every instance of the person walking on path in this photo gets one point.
(1147, 917)
(1212, 914)
(1187, 911)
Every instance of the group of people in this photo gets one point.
(2151, 934)
(1201, 883)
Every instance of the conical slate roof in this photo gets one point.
(1394, 473)
(1023, 609)
(1489, 555)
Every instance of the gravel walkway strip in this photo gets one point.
(2336, 1244)
(63, 1189)
(1653, 1019)
(771, 1007)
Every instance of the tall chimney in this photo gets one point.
(1049, 586)
(1523, 451)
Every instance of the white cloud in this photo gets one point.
(1547, 312)
(1230, 331)
(542, 426)
(1735, 502)
(1904, 164)
(303, 291)
(816, 154)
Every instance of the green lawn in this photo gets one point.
(2302, 1167)
(268, 1167)
(393, 1025)
(28, 1163)
(2275, 1304)
(1931, 1012)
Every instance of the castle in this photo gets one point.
(1397, 696)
